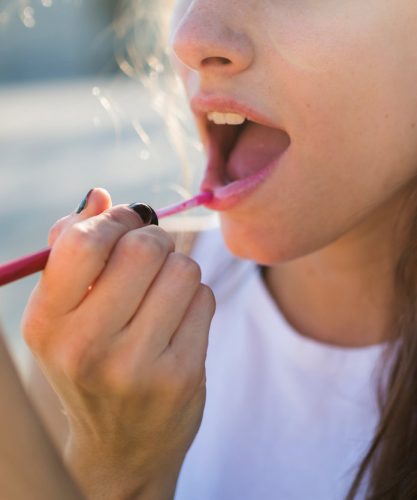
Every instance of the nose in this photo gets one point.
(209, 39)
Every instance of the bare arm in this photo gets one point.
(48, 406)
(29, 464)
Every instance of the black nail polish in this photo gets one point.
(84, 202)
(146, 213)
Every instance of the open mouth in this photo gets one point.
(238, 152)
(240, 158)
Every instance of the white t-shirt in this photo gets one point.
(286, 417)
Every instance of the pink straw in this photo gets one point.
(35, 262)
(196, 201)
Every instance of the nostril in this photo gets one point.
(215, 61)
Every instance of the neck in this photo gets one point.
(344, 293)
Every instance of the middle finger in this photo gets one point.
(133, 265)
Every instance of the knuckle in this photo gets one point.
(70, 359)
(161, 234)
(31, 336)
(183, 266)
(206, 297)
(148, 246)
(53, 232)
(124, 217)
(189, 380)
(115, 376)
(184, 378)
(158, 231)
(129, 245)
(80, 241)
(155, 242)
(56, 229)
(196, 375)
(33, 326)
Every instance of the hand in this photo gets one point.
(119, 323)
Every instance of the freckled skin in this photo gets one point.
(340, 78)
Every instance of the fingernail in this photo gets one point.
(84, 202)
(146, 213)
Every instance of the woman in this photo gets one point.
(308, 113)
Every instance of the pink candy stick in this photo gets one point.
(33, 263)
(196, 201)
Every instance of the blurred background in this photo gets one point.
(70, 119)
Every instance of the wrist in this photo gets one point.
(101, 475)
(159, 488)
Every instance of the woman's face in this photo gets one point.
(339, 77)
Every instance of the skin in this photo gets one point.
(329, 224)
(339, 78)
(29, 464)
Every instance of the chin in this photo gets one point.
(259, 244)
(274, 244)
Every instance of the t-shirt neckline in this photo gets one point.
(310, 353)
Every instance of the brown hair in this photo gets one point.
(391, 461)
(141, 49)
(140, 38)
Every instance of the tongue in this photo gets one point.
(255, 148)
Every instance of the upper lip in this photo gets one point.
(202, 104)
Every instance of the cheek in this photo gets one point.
(349, 103)
(344, 75)
(300, 210)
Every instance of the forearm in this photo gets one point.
(30, 467)
(47, 405)
(101, 477)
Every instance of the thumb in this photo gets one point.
(95, 202)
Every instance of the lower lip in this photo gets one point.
(227, 196)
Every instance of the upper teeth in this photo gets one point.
(226, 118)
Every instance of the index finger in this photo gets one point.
(80, 254)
